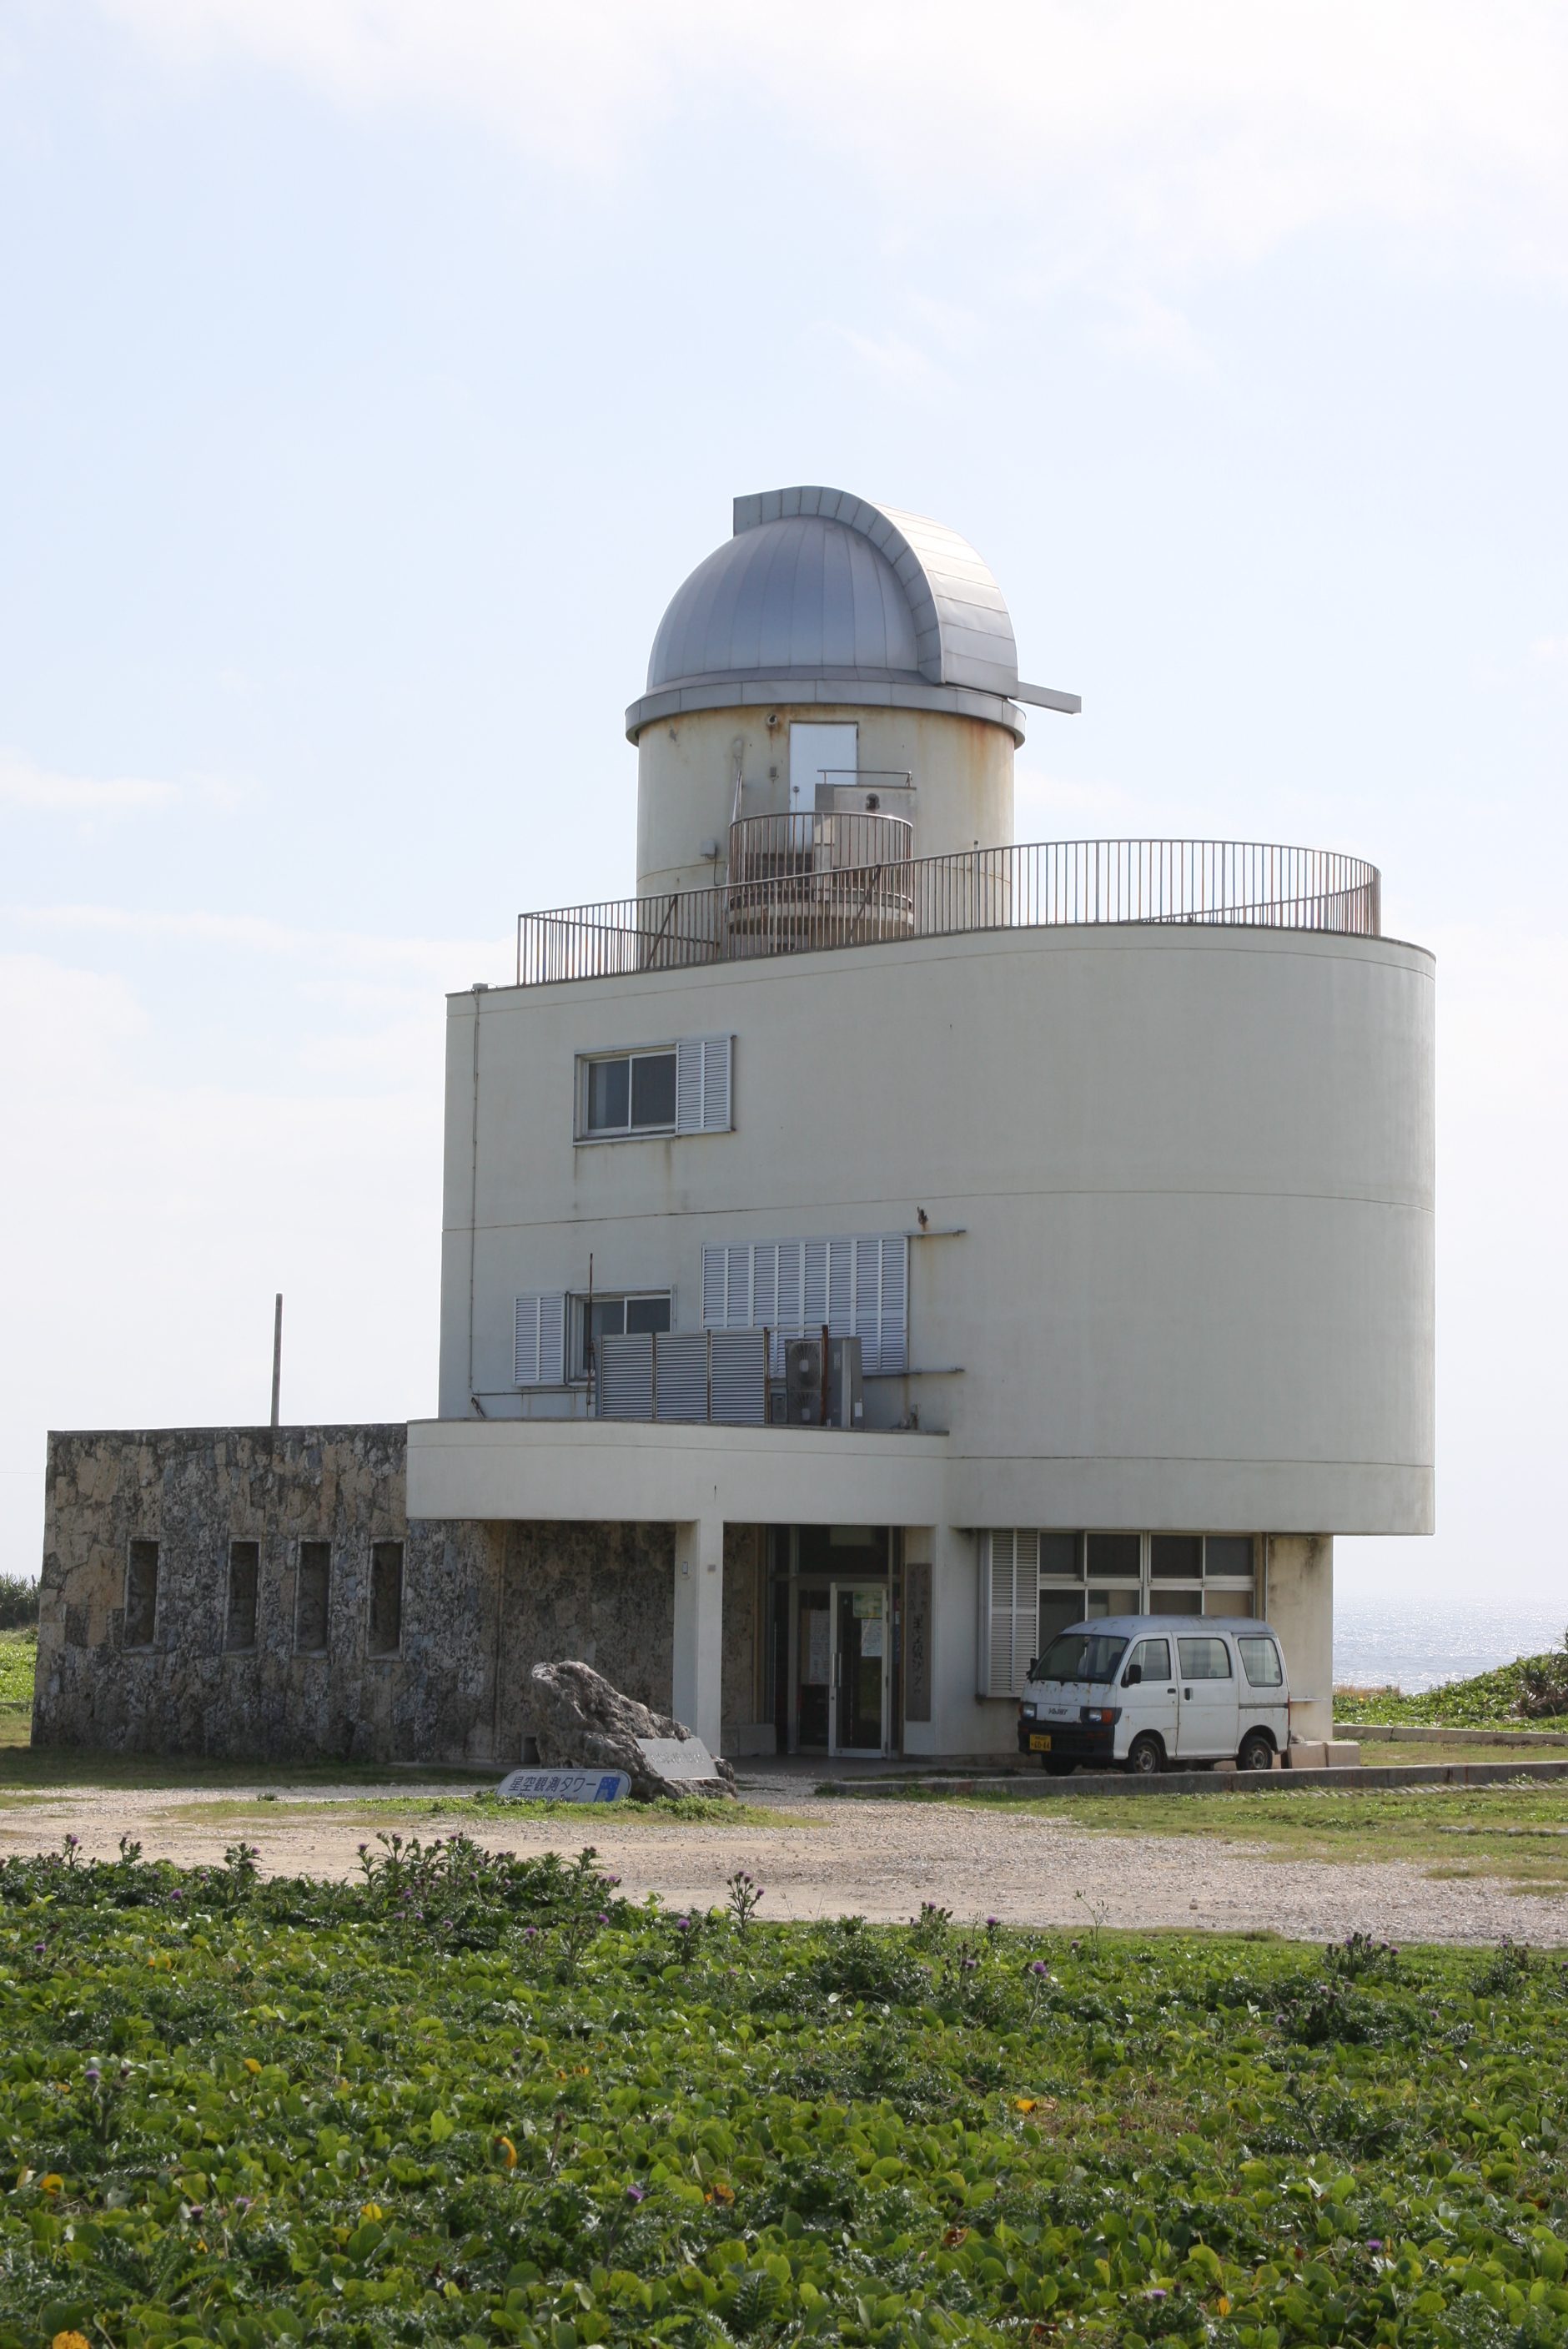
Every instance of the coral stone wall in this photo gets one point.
(195, 1492)
(603, 1594)
(480, 1603)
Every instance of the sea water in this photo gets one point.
(1417, 1644)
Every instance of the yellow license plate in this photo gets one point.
(1038, 1745)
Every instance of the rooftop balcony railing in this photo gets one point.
(822, 905)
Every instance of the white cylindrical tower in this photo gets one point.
(834, 659)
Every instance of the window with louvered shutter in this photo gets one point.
(538, 1340)
(1009, 1609)
(855, 1287)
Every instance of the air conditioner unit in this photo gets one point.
(846, 1406)
(806, 1402)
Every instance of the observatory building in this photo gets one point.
(871, 1246)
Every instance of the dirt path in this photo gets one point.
(878, 1860)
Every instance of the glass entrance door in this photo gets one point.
(860, 1676)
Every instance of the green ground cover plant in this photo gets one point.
(476, 2099)
(1529, 1693)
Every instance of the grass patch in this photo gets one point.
(481, 2100)
(1518, 1831)
(1529, 1693)
(465, 1810)
(48, 1765)
(18, 1654)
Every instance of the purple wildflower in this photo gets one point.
(637, 2193)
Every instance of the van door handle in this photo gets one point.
(1188, 1695)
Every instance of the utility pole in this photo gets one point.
(277, 1353)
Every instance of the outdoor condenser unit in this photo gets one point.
(845, 1404)
(804, 1399)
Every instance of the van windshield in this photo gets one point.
(1081, 1656)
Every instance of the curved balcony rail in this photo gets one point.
(1245, 883)
(806, 847)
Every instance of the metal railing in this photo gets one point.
(797, 847)
(1247, 883)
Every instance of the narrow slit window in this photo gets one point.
(386, 1598)
(142, 1594)
(244, 1570)
(311, 1601)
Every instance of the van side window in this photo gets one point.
(1259, 1661)
(1152, 1658)
(1205, 1660)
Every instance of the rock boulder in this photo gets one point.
(581, 1723)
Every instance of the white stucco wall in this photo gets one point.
(1193, 1166)
(962, 768)
(1298, 1598)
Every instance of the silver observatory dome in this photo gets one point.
(819, 587)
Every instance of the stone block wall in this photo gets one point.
(480, 1603)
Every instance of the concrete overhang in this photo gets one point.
(638, 1472)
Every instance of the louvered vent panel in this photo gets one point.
(814, 1285)
(625, 1369)
(840, 1314)
(702, 1084)
(538, 1340)
(715, 1062)
(765, 1285)
(893, 1353)
(714, 1262)
(688, 1085)
(680, 1385)
(739, 1377)
(999, 1640)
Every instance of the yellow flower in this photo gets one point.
(1223, 2305)
(70, 2340)
(370, 2210)
(252, 2064)
(51, 2183)
(1024, 2103)
(509, 2151)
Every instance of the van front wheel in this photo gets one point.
(1146, 1757)
(1257, 1750)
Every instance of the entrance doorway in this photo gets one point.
(861, 1676)
(843, 1654)
(833, 1632)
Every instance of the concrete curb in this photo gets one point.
(1413, 1734)
(1212, 1782)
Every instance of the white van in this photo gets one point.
(1150, 1693)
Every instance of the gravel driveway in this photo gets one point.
(826, 1857)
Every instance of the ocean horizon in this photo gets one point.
(1417, 1645)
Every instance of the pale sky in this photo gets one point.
(374, 370)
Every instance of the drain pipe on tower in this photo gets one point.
(480, 987)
